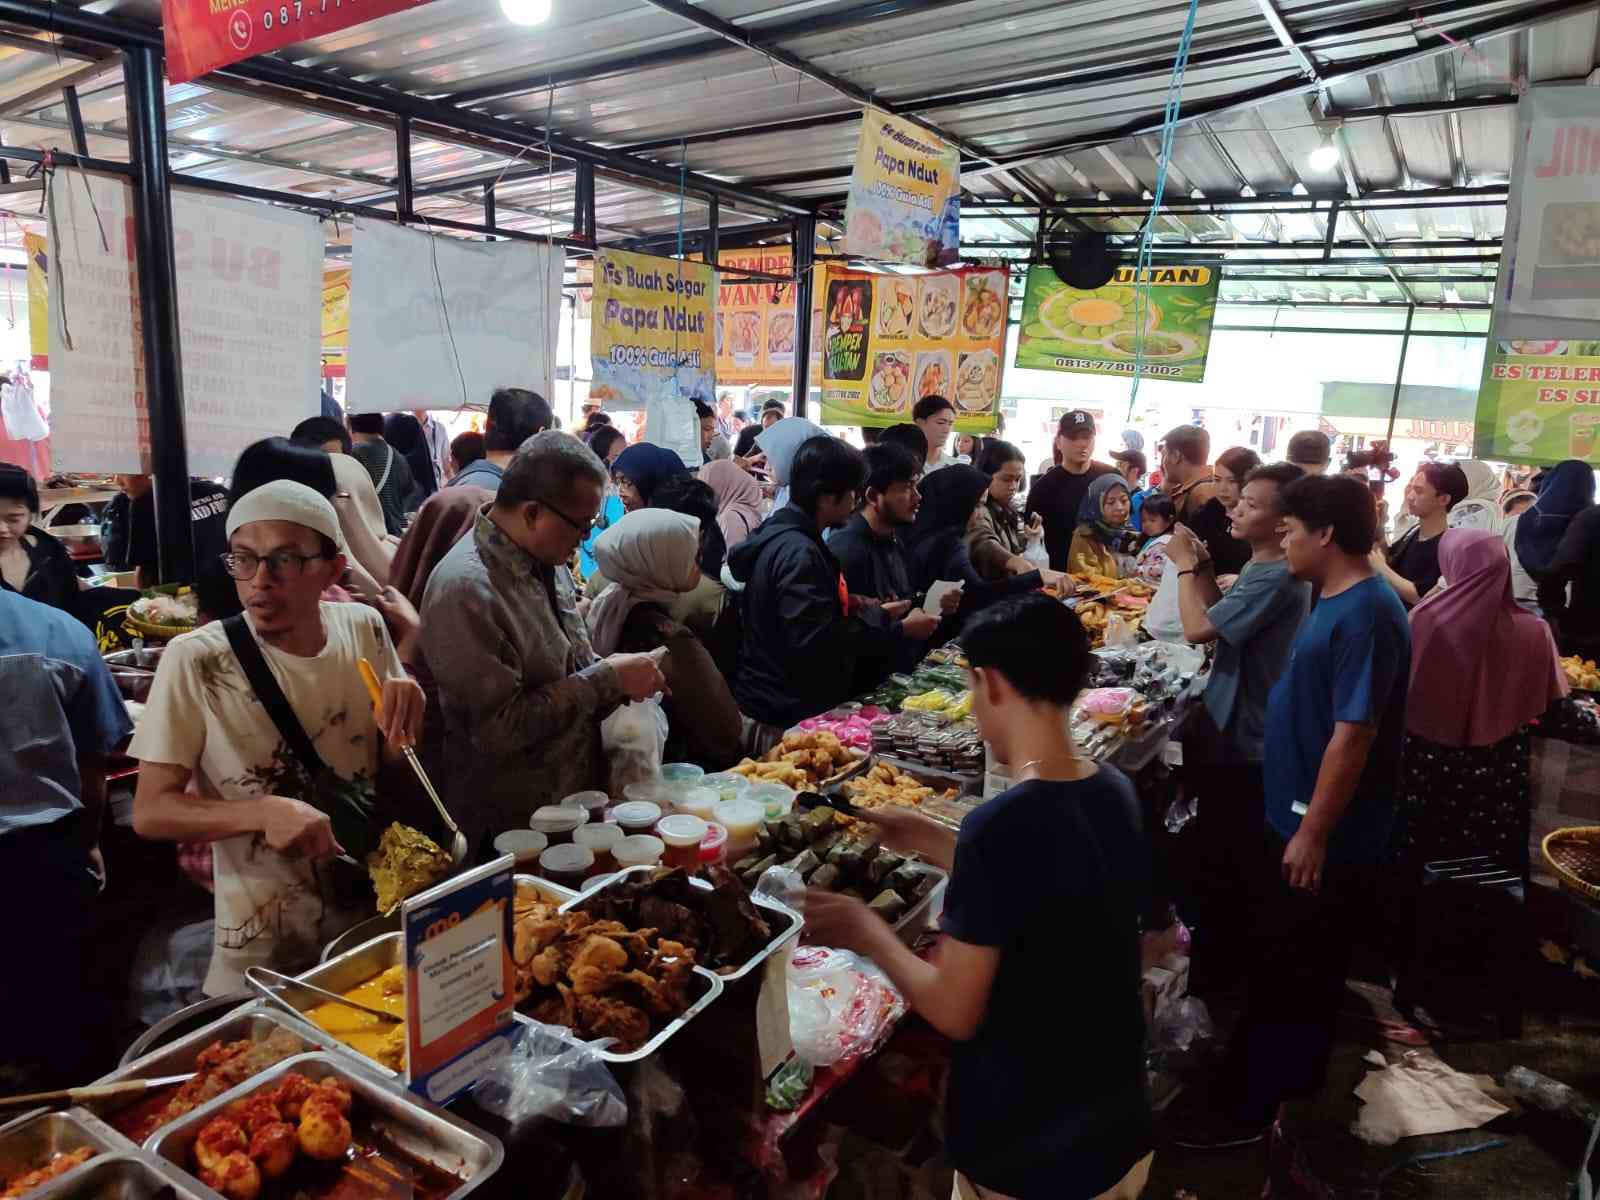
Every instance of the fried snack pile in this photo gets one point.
(1582, 673)
(801, 760)
(260, 1137)
(56, 1167)
(406, 862)
(598, 978)
(722, 927)
(217, 1068)
(884, 784)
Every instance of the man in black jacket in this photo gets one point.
(802, 634)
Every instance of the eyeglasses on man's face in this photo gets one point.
(282, 565)
(584, 528)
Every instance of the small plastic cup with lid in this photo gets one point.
(681, 772)
(741, 818)
(636, 816)
(714, 846)
(682, 834)
(557, 821)
(654, 791)
(601, 837)
(566, 864)
(775, 799)
(524, 844)
(638, 850)
(729, 785)
(593, 803)
(696, 801)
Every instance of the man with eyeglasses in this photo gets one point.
(215, 766)
(522, 691)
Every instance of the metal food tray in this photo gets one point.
(377, 926)
(344, 972)
(417, 1127)
(912, 922)
(122, 1176)
(252, 1021)
(32, 1140)
(777, 913)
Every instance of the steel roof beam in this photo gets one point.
(1280, 30)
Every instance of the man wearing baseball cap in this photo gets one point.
(259, 737)
(1061, 489)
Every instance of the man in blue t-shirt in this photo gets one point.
(1334, 726)
(1058, 859)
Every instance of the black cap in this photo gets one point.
(1075, 422)
(773, 404)
(1136, 457)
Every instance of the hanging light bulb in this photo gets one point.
(526, 12)
(1324, 158)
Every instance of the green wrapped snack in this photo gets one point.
(889, 905)
(805, 862)
(766, 840)
(826, 876)
(790, 833)
(855, 893)
(905, 879)
(818, 823)
(834, 839)
(789, 1085)
(749, 878)
(748, 863)
(885, 865)
(852, 861)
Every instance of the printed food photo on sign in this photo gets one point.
(746, 335)
(780, 337)
(897, 304)
(935, 372)
(891, 382)
(938, 305)
(977, 381)
(1539, 402)
(848, 308)
(983, 304)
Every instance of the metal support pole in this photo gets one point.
(158, 310)
(5, 167)
(1333, 228)
(583, 214)
(402, 162)
(713, 251)
(805, 248)
(488, 206)
(80, 139)
(1400, 372)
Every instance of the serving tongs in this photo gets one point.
(830, 793)
(92, 1094)
(458, 840)
(272, 985)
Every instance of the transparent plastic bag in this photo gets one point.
(634, 738)
(549, 1074)
(1036, 555)
(841, 1007)
(784, 885)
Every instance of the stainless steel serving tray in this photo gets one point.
(377, 926)
(122, 1176)
(350, 970)
(785, 921)
(420, 1129)
(33, 1139)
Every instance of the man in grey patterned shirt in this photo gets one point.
(522, 691)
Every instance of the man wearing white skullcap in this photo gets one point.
(215, 766)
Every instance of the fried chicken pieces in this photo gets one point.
(597, 978)
(257, 1137)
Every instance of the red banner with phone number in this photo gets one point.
(203, 35)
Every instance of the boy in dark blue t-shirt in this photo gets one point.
(1041, 926)
(1334, 727)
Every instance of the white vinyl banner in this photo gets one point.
(249, 281)
(1549, 280)
(438, 322)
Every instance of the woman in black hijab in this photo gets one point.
(404, 433)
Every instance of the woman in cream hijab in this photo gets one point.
(361, 518)
(651, 558)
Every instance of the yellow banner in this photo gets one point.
(891, 340)
(756, 323)
(335, 322)
(905, 195)
(38, 251)
(654, 330)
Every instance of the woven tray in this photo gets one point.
(1574, 854)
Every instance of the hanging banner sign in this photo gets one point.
(1539, 402)
(890, 340)
(37, 249)
(1093, 332)
(756, 321)
(460, 979)
(905, 195)
(335, 322)
(1549, 282)
(653, 336)
(440, 322)
(202, 35)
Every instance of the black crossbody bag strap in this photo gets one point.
(271, 696)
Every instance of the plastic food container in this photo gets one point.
(566, 864)
(636, 816)
(638, 850)
(696, 801)
(600, 838)
(525, 844)
(593, 803)
(681, 772)
(557, 821)
(653, 791)
(682, 833)
(741, 818)
(775, 799)
(714, 846)
(727, 784)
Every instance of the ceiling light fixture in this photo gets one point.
(1324, 158)
(526, 12)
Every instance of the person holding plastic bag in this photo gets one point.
(651, 558)
(522, 689)
(999, 543)
(1061, 849)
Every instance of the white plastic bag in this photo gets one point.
(634, 738)
(548, 1073)
(1036, 554)
(840, 1006)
